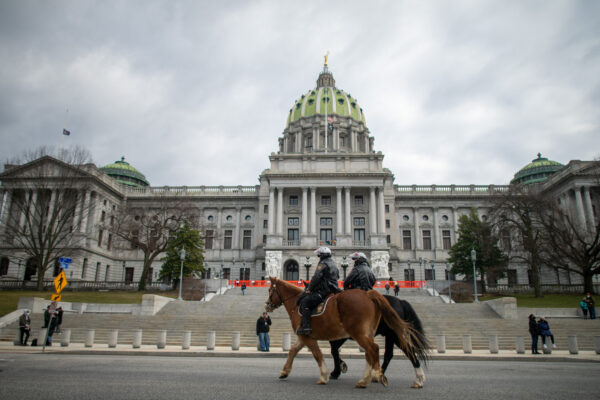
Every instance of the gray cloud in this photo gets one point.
(196, 93)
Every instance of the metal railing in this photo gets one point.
(450, 189)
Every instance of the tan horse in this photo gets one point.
(352, 313)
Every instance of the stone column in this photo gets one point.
(271, 214)
(53, 195)
(316, 139)
(313, 210)
(372, 211)
(436, 231)
(589, 212)
(579, 205)
(339, 218)
(5, 217)
(381, 212)
(304, 210)
(279, 211)
(418, 244)
(236, 234)
(25, 210)
(85, 209)
(348, 223)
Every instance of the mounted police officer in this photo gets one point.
(361, 276)
(323, 282)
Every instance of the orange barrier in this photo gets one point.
(299, 283)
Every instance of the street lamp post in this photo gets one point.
(182, 256)
(449, 282)
(344, 266)
(307, 266)
(473, 259)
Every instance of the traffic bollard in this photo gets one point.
(573, 348)
(89, 338)
(493, 340)
(187, 340)
(467, 346)
(441, 344)
(65, 340)
(210, 340)
(112, 338)
(137, 339)
(161, 339)
(520, 344)
(235, 341)
(286, 344)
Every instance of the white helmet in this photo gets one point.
(356, 256)
(323, 251)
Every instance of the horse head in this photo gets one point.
(274, 301)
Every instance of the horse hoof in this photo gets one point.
(417, 386)
(344, 367)
(361, 385)
(334, 375)
(283, 376)
(383, 380)
(321, 382)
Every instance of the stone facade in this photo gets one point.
(320, 190)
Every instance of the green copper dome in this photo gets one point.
(326, 99)
(125, 173)
(537, 170)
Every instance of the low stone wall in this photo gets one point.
(505, 307)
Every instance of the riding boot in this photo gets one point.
(305, 328)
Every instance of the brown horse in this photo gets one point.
(352, 313)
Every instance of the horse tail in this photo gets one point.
(421, 345)
(407, 335)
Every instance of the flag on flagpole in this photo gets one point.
(66, 132)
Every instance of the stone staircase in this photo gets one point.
(232, 312)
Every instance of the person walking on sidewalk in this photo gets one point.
(396, 289)
(262, 330)
(535, 333)
(25, 327)
(584, 309)
(243, 289)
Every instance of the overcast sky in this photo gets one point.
(197, 92)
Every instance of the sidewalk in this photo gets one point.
(201, 351)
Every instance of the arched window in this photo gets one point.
(4, 262)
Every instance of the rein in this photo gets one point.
(280, 297)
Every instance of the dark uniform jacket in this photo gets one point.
(262, 324)
(325, 278)
(361, 277)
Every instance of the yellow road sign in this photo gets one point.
(60, 281)
(56, 297)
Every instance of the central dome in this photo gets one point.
(326, 99)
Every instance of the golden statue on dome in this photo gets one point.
(326, 55)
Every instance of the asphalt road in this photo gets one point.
(51, 376)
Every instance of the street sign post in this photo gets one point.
(64, 262)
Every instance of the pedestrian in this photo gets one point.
(25, 327)
(59, 317)
(387, 288)
(361, 276)
(544, 329)
(535, 333)
(52, 322)
(396, 289)
(243, 289)
(584, 309)
(262, 330)
(589, 300)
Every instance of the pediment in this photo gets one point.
(45, 167)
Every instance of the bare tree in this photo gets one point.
(44, 205)
(518, 212)
(147, 225)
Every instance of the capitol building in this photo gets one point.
(326, 185)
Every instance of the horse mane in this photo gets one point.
(288, 285)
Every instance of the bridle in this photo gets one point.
(270, 304)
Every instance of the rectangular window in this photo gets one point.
(150, 275)
(247, 242)
(208, 239)
(134, 238)
(512, 277)
(128, 275)
(244, 274)
(100, 234)
(359, 221)
(265, 224)
(226, 273)
(84, 268)
(409, 274)
(388, 239)
(406, 239)
(506, 240)
(264, 239)
(109, 241)
(227, 239)
(112, 220)
(326, 236)
(446, 241)
(102, 216)
(387, 223)
(325, 200)
(293, 200)
(430, 274)
(264, 266)
(359, 235)
(266, 209)
(97, 277)
(326, 221)
(294, 221)
(293, 235)
(358, 201)
(107, 273)
(387, 208)
(426, 239)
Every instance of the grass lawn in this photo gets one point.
(9, 299)
(548, 301)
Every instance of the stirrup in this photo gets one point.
(304, 331)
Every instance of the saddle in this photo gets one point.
(320, 309)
